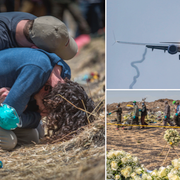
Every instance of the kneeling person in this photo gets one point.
(32, 74)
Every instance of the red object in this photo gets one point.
(82, 40)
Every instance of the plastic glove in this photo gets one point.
(110, 113)
(176, 114)
(134, 117)
(9, 118)
(1, 164)
(165, 117)
(140, 110)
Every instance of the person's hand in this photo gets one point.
(165, 117)
(176, 114)
(43, 113)
(134, 117)
(110, 113)
(3, 93)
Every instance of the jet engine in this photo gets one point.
(172, 49)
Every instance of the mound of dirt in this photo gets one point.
(155, 106)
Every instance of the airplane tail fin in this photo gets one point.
(115, 41)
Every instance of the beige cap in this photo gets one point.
(51, 34)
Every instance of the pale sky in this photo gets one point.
(116, 96)
(149, 21)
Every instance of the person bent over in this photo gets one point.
(30, 75)
(20, 29)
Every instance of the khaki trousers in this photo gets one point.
(134, 121)
(9, 139)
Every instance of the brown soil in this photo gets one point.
(146, 144)
(155, 106)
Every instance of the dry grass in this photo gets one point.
(147, 144)
(81, 157)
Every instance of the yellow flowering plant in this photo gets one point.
(172, 137)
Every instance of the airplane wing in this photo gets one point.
(149, 45)
(171, 47)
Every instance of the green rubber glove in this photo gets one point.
(9, 118)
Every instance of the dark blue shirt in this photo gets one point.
(8, 23)
(25, 71)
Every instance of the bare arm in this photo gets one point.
(3, 93)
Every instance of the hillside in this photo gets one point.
(157, 105)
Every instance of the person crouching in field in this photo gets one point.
(32, 83)
(20, 29)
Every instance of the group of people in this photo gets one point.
(176, 116)
(35, 80)
(143, 110)
(135, 117)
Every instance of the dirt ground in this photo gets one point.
(147, 144)
(81, 157)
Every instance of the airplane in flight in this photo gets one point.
(171, 47)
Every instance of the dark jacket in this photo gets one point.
(143, 111)
(8, 24)
(118, 111)
(167, 110)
